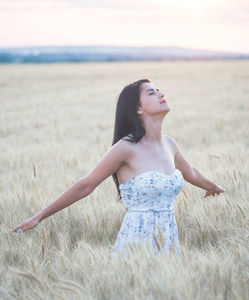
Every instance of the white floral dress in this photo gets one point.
(150, 218)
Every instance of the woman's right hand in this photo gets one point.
(26, 225)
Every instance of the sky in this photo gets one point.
(219, 25)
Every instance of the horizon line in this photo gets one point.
(120, 46)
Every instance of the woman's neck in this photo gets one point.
(153, 131)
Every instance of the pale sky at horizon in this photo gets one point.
(221, 25)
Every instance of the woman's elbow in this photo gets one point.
(190, 175)
(85, 187)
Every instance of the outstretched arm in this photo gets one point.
(193, 176)
(108, 165)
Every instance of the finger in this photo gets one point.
(20, 226)
(22, 230)
(18, 229)
(221, 190)
(15, 229)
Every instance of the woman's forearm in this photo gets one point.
(201, 181)
(73, 194)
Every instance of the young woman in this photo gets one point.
(148, 170)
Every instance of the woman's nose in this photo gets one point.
(161, 95)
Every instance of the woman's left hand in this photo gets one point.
(214, 191)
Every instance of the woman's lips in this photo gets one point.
(164, 101)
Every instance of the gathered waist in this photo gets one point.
(151, 210)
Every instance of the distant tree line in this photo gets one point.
(107, 54)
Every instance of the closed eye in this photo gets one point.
(152, 91)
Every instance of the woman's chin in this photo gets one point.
(167, 108)
(166, 111)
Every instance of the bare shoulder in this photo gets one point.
(114, 158)
(172, 143)
(123, 147)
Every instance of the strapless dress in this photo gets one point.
(150, 221)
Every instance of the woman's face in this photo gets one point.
(152, 101)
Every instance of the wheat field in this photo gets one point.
(57, 122)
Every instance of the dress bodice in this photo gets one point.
(150, 218)
(151, 190)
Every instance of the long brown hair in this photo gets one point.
(127, 124)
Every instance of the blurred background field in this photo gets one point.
(57, 122)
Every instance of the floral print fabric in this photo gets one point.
(150, 218)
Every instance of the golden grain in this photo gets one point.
(56, 123)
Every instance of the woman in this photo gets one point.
(147, 167)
